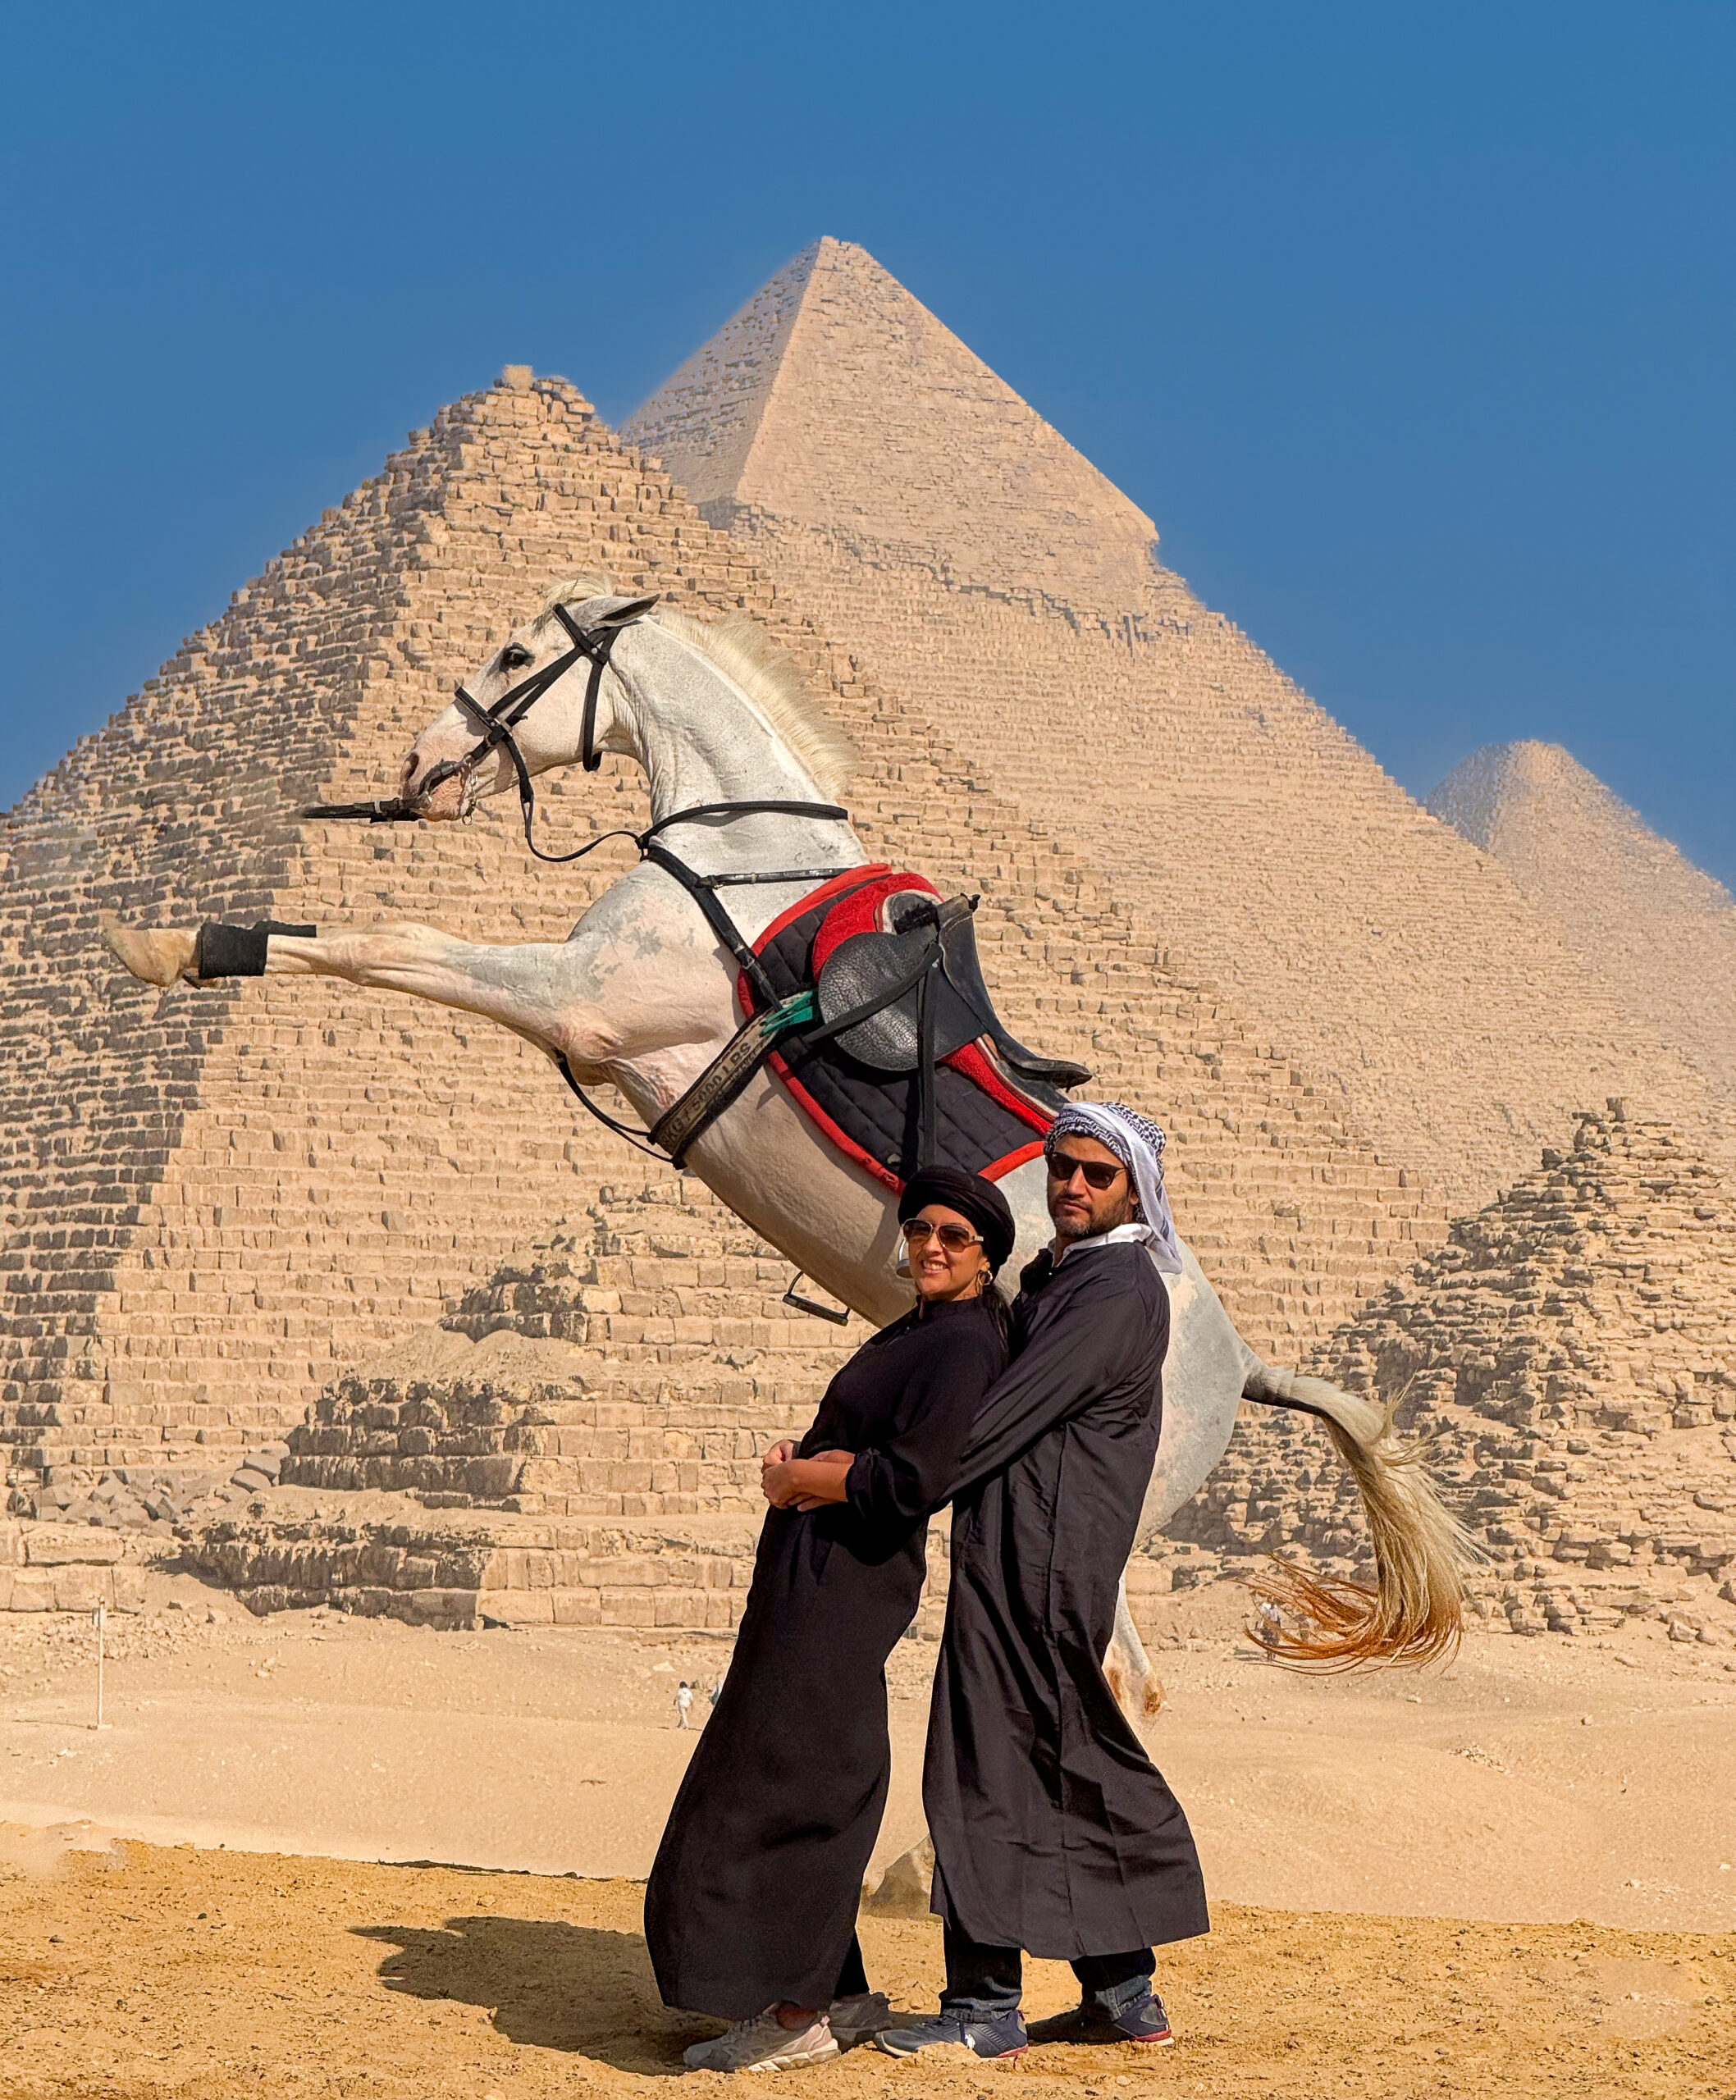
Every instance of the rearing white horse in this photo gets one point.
(642, 995)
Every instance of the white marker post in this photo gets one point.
(99, 1619)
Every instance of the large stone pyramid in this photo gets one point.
(1624, 899)
(1570, 1355)
(910, 501)
(214, 1196)
(215, 1200)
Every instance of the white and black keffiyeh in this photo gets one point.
(1138, 1144)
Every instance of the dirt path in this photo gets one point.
(180, 1975)
(1543, 1780)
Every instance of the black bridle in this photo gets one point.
(495, 726)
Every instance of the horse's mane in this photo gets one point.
(746, 654)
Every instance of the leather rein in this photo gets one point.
(495, 726)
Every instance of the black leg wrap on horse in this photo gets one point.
(239, 950)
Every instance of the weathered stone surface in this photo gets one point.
(1623, 898)
(1568, 1357)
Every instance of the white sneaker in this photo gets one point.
(859, 2018)
(764, 2044)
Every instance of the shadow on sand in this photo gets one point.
(552, 1985)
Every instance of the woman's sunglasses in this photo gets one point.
(1099, 1173)
(954, 1238)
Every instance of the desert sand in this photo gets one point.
(200, 1974)
(1517, 1876)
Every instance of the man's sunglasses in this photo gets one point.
(1099, 1173)
(954, 1238)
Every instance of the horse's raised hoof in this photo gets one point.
(155, 955)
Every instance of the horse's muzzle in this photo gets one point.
(447, 795)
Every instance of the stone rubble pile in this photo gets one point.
(163, 1501)
(1569, 1357)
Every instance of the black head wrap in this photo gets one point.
(971, 1197)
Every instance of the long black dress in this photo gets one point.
(753, 1894)
(1052, 1830)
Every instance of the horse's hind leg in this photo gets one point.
(1128, 1667)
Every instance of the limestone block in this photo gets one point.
(55, 1547)
(81, 1589)
(577, 1607)
(443, 1608)
(635, 1608)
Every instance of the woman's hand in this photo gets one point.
(777, 1484)
(805, 1483)
(779, 1454)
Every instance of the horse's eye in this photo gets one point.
(513, 658)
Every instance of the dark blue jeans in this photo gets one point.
(986, 1983)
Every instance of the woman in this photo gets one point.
(750, 1910)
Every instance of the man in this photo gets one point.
(684, 1703)
(1053, 1833)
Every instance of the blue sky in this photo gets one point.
(1411, 327)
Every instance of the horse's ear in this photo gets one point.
(624, 611)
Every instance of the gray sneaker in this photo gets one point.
(859, 2018)
(763, 2043)
(998, 2039)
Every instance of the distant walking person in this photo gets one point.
(684, 1703)
(750, 1910)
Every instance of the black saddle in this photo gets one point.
(892, 972)
(893, 1045)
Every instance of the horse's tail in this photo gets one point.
(1415, 1613)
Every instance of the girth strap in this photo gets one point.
(724, 1078)
(727, 1074)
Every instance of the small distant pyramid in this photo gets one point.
(634, 1362)
(1570, 1356)
(835, 397)
(1626, 899)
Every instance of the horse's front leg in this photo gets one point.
(583, 998)
(528, 986)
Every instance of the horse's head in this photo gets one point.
(542, 673)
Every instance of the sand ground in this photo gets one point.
(1359, 1836)
(181, 1974)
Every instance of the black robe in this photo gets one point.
(1052, 1830)
(753, 1894)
